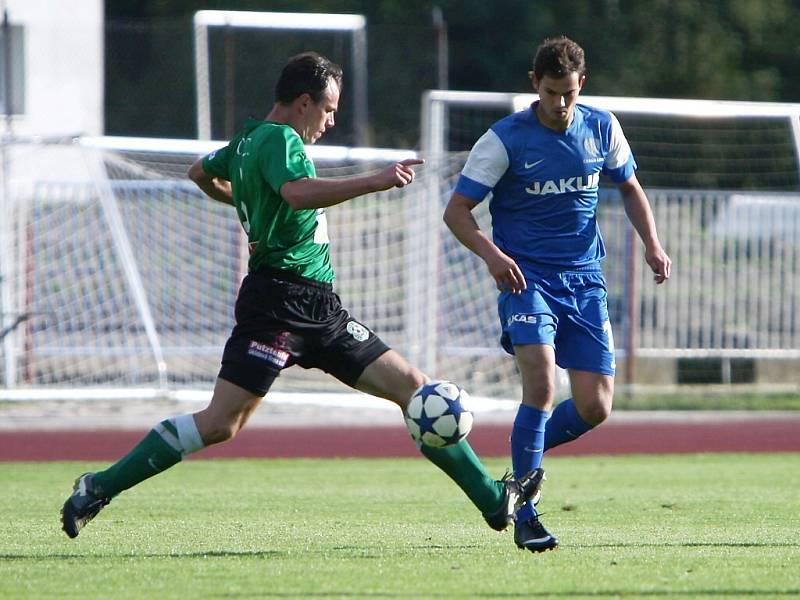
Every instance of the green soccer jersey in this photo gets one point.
(258, 161)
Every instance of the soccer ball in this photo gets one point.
(438, 415)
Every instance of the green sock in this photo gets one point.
(464, 467)
(164, 446)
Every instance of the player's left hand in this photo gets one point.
(506, 273)
(659, 262)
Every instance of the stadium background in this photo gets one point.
(722, 50)
(716, 49)
(695, 526)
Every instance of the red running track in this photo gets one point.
(621, 437)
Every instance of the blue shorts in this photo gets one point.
(564, 309)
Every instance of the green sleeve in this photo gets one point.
(216, 163)
(283, 158)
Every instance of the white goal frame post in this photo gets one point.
(88, 157)
(352, 23)
(434, 123)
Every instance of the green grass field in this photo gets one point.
(720, 526)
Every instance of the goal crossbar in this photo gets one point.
(352, 23)
(671, 106)
(200, 147)
(434, 103)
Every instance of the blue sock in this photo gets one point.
(565, 425)
(527, 447)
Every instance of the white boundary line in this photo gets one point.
(327, 399)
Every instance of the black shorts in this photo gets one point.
(283, 319)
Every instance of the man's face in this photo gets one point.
(557, 98)
(318, 117)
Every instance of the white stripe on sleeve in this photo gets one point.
(487, 161)
(619, 151)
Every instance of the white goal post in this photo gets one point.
(348, 23)
(436, 102)
(724, 180)
(120, 276)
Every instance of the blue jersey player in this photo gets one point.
(542, 167)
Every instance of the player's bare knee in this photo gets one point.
(596, 412)
(219, 432)
(415, 380)
(539, 394)
(215, 428)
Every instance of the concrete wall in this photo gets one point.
(63, 82)
(63, 66)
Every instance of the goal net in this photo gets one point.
(724, 182)
(121, 277)
(226, 42)
(118, 277)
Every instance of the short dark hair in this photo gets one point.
(558, 57)
(307, 73)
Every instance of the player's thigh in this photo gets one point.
(337, 343)
(265, 339)
(392, 377)
(230, 407)
(527, 318)
(537, 367)
(585, 341)
(592, 394)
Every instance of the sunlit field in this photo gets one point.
(672, 526)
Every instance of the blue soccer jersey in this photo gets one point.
(544, 185)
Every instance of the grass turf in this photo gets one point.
(718, 398)
(656, 526)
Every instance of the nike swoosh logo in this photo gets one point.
(530, 449)
(536, 540)
(153, 465)
(533, 164)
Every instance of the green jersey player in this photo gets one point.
(279, 236)
(287, 312)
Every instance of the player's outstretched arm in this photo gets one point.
(641, 217)
(505, 272)
(324, 192)
(213, 187)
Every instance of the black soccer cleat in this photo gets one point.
(82, 506)
(531, 535)
(517, 493)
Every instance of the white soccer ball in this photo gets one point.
(438, 414)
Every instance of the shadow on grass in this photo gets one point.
(369, 552)
(209, 554)
(696, 545)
